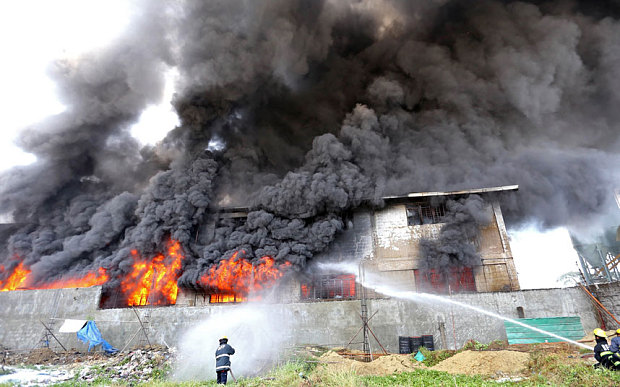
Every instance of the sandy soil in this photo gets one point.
(485, 363)
(384, 365)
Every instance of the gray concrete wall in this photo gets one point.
(21, 313)
(609, 295)
(327, 323)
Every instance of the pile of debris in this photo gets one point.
(43, 366)
(46, 356)
(136, 366)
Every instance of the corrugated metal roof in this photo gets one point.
(568, 327)
(462, 192)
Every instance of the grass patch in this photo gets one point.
(95, 382)
(546, 368)
(474, 345)
(434, 357)
(161, 373)
(6, 371)
(429, 378)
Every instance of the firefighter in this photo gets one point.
(602, 353)
(222, 360)
(615, 343)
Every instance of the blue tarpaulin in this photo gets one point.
(90, 334)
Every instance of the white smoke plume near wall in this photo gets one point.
(258, 333)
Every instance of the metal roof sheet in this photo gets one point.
(462, 192)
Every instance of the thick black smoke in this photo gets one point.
(456, 245)
(318, 107)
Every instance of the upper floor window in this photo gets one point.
(425, 213)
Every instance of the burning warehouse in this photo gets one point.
(349, 131)
(393, 243)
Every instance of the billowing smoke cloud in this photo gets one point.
(456, 245)
(318, 107)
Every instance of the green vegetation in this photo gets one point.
(434, 357)
(473, 345)
(428, 378)
(553, 369)
(545, 369)
(161, 373)
(6, 371)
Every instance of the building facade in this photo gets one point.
(387, 242)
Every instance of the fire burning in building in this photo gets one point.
(235, 279)
(20, 279)
(153, 281)
(15, 278)
(359, 103)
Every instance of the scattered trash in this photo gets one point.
(43, 366)
(419, 356)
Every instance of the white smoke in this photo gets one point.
(257, 332)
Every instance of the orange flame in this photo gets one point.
(154, 282)
(234, 278)
(21, 279)
(15, 279)
(90, 279)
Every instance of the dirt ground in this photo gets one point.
(512, 360)
(384, 365)
(509, 361)
(46, 356)
(485, 363)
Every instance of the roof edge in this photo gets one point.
(462, 192)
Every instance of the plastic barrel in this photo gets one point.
(428, 342)
(415, 343)
(403, 344)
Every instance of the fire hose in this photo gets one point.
(233, 375)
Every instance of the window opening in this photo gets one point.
(520, 312)
(456, 279)
(329, 286)
(226, 298)
(425, 213)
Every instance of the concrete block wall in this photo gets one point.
(326, 323)
(397, 249)
(22, 312)
(609, 295)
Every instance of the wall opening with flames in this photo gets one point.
(153, 280)
(239, 280)
(20, 278)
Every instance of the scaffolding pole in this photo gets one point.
(364, 315)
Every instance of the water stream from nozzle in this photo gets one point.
(431, 298)
(434, 298)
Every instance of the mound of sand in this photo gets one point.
(384, 365)
(485, 363)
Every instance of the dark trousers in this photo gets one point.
(222, 376)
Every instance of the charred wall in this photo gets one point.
(390, 246)
(397, 252)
